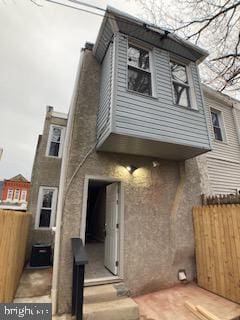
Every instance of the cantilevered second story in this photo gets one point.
(151, 102)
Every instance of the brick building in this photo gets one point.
(15, 192)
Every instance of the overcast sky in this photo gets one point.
(39, 54)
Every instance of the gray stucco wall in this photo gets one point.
(45, 172)
(158, 201)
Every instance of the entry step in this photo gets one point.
(120, 309)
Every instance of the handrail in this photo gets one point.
(79, 253)
(79, 261)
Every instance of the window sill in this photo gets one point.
(186, 108)
(43, 229)
(221, 142)
(141, 94)
(53, 157)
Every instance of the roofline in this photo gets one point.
(156, 28)
(220, 96)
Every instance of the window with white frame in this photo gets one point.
(47, 200)
(180, 84)
(217, 123)
(55, 141)
(139, 70)
(10, 195)
(16, 194)
(24, 195)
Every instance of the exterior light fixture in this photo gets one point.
(155, 164)
(131, 169)
(182, 275)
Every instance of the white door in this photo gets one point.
(111, 228)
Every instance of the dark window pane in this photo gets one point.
(139, 81)
(138, 57)
(181, 95)
(178, 72)
(47, 199)
(217, 133)
(56, 134)
(215, 120)
(54, 149)
(45, 217)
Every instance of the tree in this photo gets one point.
(213, 25)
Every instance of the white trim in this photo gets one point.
(14, 196)
(23, 192)
(12, 191)
(53, 209)
(121, 218)
(192, 94)
(60, 115)
(50, 139)
(151, 71)
(221, 123)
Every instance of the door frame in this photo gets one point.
(121, 226)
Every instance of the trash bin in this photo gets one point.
(41, 255)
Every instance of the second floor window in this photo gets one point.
(217, 125)
(16, 195)
(180, 84)
(139, 74)
(24, 195)
(47, 200)
(10, 194)
(55, 141)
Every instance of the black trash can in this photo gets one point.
(41, 255)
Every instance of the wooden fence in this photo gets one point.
(217, 237)
(14, 227)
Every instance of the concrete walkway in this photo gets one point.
(168, 304)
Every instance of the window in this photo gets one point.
(180, 83)
(24, 195)
(16, 195)
(55, 141)
(217, 125)
(47, 200)
(10, 195)
(139, 74)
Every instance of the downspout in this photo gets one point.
(60, 204)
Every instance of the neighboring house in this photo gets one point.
(129, 175)
(1, 186)
(15, 193)
(46, 175)
(223, 162)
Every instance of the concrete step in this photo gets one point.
(40, 299)
(103, 293)
(120, 309)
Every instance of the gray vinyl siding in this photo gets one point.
(229, 149)
(157, 118)
(224, 176)
(223, 161)
(103, 118)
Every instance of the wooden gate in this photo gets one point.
(14, 227)
(217, 238)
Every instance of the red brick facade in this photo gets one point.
(16, 190)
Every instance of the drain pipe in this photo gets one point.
(60, 204)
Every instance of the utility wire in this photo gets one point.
(87, 5)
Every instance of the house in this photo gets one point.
(222, 164)
(46, 175)
(15, 193)
(129, 173)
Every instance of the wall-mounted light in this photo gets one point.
(155, 164)
(182, 275)
(131, 169)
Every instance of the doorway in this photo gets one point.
(101, 228)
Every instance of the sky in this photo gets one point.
(39, 55)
